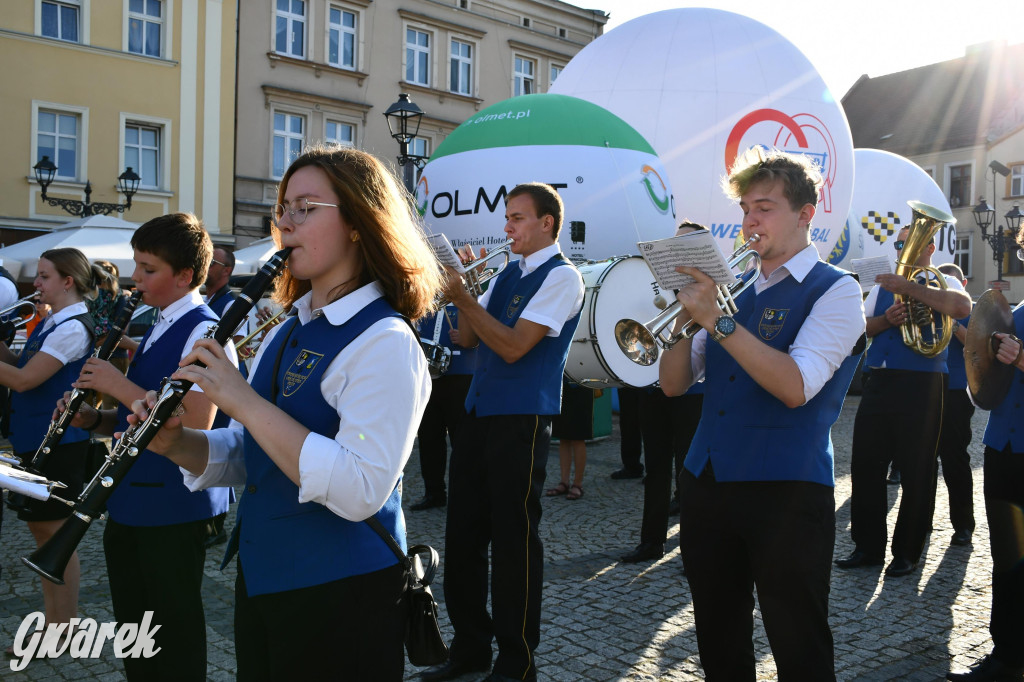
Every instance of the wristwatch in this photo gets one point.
(724, 326)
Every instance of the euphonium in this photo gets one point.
(920, 331)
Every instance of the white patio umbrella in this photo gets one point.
(249, 259)
(98, 237)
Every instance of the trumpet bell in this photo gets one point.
(636, 342)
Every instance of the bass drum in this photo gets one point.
(615, 289)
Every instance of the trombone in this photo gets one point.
(640, 342)
(473, 279)
(247, 347)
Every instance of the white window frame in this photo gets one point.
(328, 120)
(165, 127)
(83, 19)
(82, 113)
(166, 30)
(304, 116)
(930, 170)
(416, 50)
(419, 146)
(519, 77)
(453, 59)
(553, 76)
(1017, 178)
(947, 179)
(291, 18)
(342, 29)
(966, 254)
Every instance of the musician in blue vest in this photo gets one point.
(322, 434)
(447, 407)
(49, 363)
(154, 539)
(899, 419)
(956, 432)
(524, 323)
(218, 292)
(757, 489)
(1004, 500)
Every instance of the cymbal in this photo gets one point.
(988, 379)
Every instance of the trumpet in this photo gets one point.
(20, 320)
(640, 342)
(247, 347)
(473, 280)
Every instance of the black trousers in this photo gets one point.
(777, 537)
(348, 629)
(954, 438)
(898, 419)
(630, 446)
(668, 425)
(160, 569)
(497, 475)
(444, 413)
(1004, 507)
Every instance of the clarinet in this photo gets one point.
(59, 426)
(51, 559)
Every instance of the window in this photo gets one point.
(1017, 180)
(60, 20)
(556, 71)
(142, 153)
(960, 185)
(417, 56)
(962, 253)
(462, 68)
(523, 77)
(562, 33)
(290, 28)
(145, 27)
(526, 22)
(57, 136)
(289, 138)
(419, 146)
(340, 133)
(341, 50)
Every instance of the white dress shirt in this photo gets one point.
(827, 335)
(378, 384)
(70, 341)
(560, 296)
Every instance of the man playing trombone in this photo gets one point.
(899, 417)
(757, 486)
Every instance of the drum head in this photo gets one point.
(616, 289)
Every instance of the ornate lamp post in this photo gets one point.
(127, 183)
(403, 119)
(984, 216)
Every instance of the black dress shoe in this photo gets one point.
(453, 668)
(962, 538)
(900, 567)
(645, 551)
(429, 502)
(989, 670)
(857, 559)
(627, 473)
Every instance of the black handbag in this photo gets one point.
(424, 643)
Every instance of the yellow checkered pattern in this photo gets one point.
(879, 226)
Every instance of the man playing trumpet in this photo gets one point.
(899, 418)
(757, 502)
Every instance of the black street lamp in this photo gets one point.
(403, 119)
(127, 183)
(984, 216)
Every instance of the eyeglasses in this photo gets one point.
(899, 244)
(297, 213)
(214, 260)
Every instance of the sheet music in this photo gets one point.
(868, 268)
(695, 249)
(444, 252)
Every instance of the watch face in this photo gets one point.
(725, 325)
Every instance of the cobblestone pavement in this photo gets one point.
(605, 620)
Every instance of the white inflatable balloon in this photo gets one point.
(885, 183)
(703, 85)
(615, 190)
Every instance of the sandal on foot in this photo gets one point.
(575, 492)
(561, 489)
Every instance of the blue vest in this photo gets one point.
(154, 493)
(533, 384)
(463, 359)
(749, 434)
(31, 411)
(1006, 422)
(220, 300)
(285, 545)
(955, 361)
(888, 347)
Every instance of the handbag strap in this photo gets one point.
(388, 538)
(429, 567)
